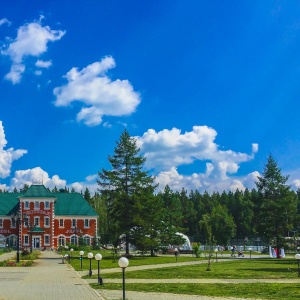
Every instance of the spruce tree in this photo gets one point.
(276, 205)
(124, 186)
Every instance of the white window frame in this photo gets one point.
(1, 223)
(26, 236)
(47, 205)
(26, 221)
(26, 205)
(88, 223)
(73, 221)
(45, 242)
(38, 221)
(36, 205)
(46, 225)
(87, 237)
(63, 223)
(13, 223)
(61, 239)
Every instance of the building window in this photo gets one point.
(87, 240)
(26, 205)
(86, 223)
(1, 222)
(47, 239)
(26, 221)
(26, 239)
(73, 222)
(37, 221)
(47, 205)
(36, 205)
(61, 222)
(61, 240)
(74, 240)
(12, 223)
(47, 222)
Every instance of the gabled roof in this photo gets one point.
(37, 191)
(68, 204)
(9, 203)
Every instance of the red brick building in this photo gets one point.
(39, 219)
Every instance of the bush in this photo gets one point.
(197, 249)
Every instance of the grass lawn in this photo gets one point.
(108, 261)
(253, 290)
(236, 269)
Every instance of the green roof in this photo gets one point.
(69, 204)
(37, 191)
(9, 203)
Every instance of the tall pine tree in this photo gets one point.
(124, 186)
(276, 204)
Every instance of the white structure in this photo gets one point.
(187, 243)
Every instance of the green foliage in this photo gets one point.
(276, 204)
(125, 186)
(197, 249)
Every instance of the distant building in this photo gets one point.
(46, 220)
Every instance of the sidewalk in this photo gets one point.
(48, 279)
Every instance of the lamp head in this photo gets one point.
(90, 255)
(98, 256)
(123, 262)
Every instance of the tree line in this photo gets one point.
(131, 211)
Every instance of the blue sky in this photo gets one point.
(208, 88)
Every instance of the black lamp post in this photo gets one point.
(90, 256)
(18, 220)
(98, 257)
(123, 263)
(81, 254)
(297, 256)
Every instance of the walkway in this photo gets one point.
(48, 279)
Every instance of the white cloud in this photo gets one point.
(4, 21)
(296, 183)
(100, 95)
(7, 156)
(171, 148)
(34, 175)
(168, 149)
(43, 64)
(32, 39)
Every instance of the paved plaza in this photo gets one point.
(48, 279)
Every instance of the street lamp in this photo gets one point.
(90, 256)
(123, 263)
(98, 257)
(71, 251)
(297, 256)
(250, 249)
(216, 251)
(18, 219)
(81, 254)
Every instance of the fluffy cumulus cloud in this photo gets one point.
(97, 92)
(31, 41)
(168, 149)
(36, 175)
(7, 156)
